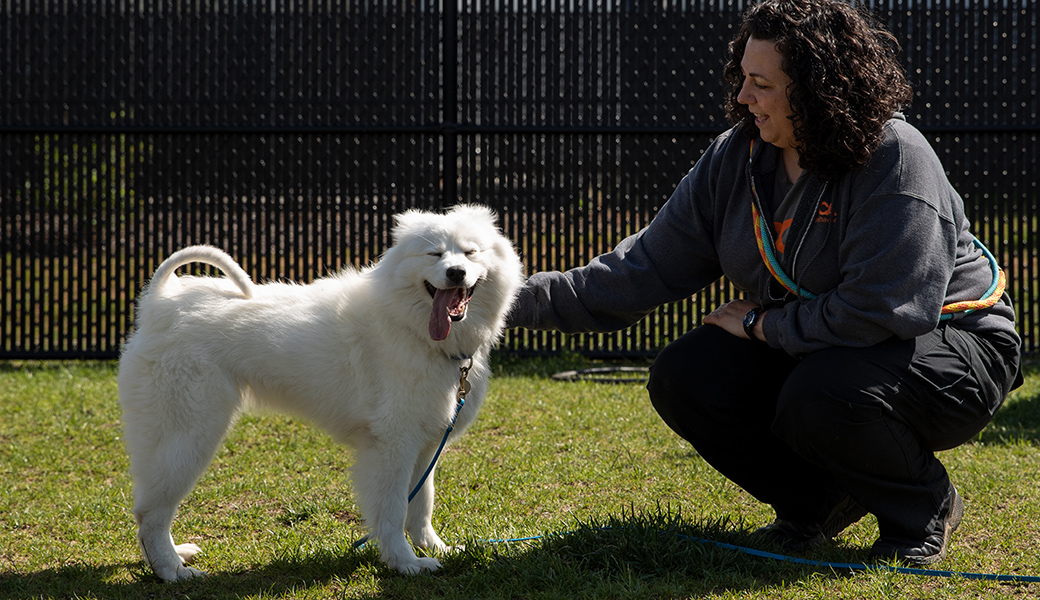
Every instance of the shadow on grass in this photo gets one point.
(277, 579)
(632, 556)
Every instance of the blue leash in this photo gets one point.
(867, 567)
(823, 564)
(463, 390)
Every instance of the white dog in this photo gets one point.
(372, 356)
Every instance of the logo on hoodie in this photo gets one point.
(824, 215)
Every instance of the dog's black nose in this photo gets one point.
(456, 275)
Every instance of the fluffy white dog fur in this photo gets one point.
(371, 356)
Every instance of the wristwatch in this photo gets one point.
(749, 321)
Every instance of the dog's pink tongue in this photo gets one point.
(440, 316)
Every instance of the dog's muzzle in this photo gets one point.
(449, 304)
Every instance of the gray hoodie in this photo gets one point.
(883, 249)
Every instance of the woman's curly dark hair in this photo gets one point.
(846, 79)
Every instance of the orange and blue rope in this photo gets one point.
(768, 253)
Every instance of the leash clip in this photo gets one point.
(464, 386)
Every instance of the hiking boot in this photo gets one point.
(800, 537)
(930, 550)
(842, 516)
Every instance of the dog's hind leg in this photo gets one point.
(155, 506)
(381, 476)
(168, 454)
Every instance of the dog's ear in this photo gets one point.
(404, 222)
(476, 212)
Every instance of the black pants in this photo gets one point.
(800, 434)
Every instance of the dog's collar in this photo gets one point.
(460, 357)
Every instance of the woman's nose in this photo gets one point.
(744, 96)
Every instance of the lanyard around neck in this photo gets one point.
(768, 253)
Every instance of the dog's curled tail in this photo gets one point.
(203, 254)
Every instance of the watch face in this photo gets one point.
(749, 322)
(749, 319)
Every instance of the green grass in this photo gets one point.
(589, 464)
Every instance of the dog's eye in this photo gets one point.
(471, 252)
(437, 254)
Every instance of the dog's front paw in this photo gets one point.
(178, 573)
(189, 573)
(416, 566)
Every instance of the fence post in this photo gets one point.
(450, 103)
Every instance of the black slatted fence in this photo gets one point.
(289, 132)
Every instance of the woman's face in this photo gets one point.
(765, 92)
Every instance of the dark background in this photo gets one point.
(289, 134)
